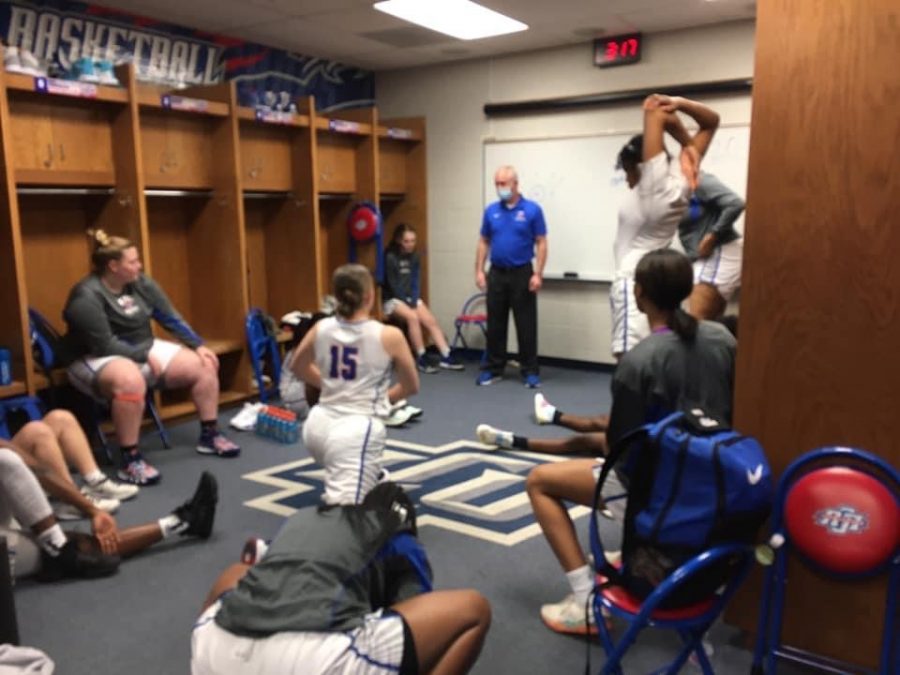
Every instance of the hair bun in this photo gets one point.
(99, 236)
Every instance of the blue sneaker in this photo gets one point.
(450, 362)
(486, 377)
(532, 381)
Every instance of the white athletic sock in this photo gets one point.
(581, 580)
(445, 352)
(52, 540)
(171, 524)
(420, 352)
(94, 477)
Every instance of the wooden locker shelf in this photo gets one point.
(20, 82)
(16, 388)
(170, 411)
(150, 98)
(401, 134)
(296, 120)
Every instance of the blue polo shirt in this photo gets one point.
(512, 231)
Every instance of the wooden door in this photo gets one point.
(817, 359)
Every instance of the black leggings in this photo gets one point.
(409, 664)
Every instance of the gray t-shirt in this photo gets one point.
(664, 373)
(103, 323)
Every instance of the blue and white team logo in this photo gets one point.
(520, 216)
(841, 520)
(456, 487)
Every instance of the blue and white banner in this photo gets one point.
(60, 33)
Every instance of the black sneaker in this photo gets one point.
(200, 511)
(425, 366)
(79, 558)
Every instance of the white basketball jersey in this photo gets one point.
(356, 370)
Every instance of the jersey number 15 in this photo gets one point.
(343, 362)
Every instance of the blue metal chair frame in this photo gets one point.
(768, 635)
(262, 345)
(45, 359)
(691, 629)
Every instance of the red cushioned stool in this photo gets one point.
(838, 510)
(473, 313)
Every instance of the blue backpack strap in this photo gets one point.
(651, 431)
(405, 544)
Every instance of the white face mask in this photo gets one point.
(504, 193)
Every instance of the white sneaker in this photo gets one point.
(110, 489)
(245, 420)
(568, 616)
(30, 64)
(543, 411)
(411, 409)
(64, 511)
(11, 60)
(397, 418)
(491, 436)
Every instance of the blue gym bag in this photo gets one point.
(692, 483)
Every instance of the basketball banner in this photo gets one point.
(61, 33)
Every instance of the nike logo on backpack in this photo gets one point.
(753, 477)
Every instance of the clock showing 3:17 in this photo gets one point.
(617, 50)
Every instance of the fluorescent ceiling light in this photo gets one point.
(462, 19)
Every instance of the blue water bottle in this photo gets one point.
(5, 367)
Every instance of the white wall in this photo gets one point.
(574, 319)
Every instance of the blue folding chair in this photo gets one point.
(690, 622)
(838, 510)
(473, 313)
(264, 350)
(43, 338)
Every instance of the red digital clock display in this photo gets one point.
(617, 50)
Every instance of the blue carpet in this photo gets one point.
(474, 517)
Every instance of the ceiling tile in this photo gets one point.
(353, 32)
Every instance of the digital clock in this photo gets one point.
(617, 50)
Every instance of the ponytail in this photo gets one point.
(351, 282)
(682, 324)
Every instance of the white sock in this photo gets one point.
(420, 352)
(581, 580)
(504, 439)
(445, 352)
(171, 524)
(94, 478)
(52, 540)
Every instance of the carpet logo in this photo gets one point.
(457, 487)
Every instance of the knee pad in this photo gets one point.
(125, 397)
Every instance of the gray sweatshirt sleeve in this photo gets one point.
(730, 205)
(85, 316)
(165, 313)
(393, 282)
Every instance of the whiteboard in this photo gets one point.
(575, 181)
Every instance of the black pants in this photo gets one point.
(508, 289)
